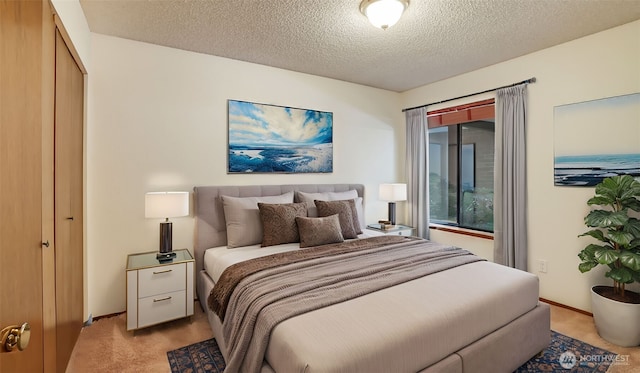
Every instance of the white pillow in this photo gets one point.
(242, 215)
(312, 211)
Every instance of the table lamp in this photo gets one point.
(393, 193)
(166, 205)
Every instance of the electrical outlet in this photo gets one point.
(542, 266)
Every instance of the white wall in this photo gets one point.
(597, 66)
(482, 247)
(158, 121)
(72, 17)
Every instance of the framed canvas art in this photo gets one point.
(277, 139)
(596, 139)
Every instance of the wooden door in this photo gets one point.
(69, 88)
(21, 192)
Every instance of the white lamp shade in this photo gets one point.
(383, 13)
(166, 204)
(393, 192)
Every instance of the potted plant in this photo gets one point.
(616, 311)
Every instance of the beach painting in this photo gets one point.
(276, 139)
(597, 139)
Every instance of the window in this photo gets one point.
(461, 149)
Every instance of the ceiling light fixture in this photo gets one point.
(383, 13)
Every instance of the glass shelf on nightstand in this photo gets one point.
(146, 260)
(398, 229)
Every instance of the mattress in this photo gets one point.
(217, 259)
(403, 328)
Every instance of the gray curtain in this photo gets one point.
(510, 183)
(417, 170)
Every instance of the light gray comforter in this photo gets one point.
(263, 299)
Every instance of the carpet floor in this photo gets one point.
(106, 345)
(563, 354)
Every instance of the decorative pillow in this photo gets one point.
(358, 215)
(345, 216)
(354, 213)
(333, 196)
(319, 231)
(244, 227)
(279, 222)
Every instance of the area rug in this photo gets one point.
(564, 354)
(199, 357)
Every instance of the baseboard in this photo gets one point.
(108, 316)
(566, 307)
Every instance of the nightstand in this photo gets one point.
(158, 291)
(398, 229)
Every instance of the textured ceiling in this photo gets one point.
(434, 39)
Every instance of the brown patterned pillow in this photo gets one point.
(319, 231)
(354, 214)
(279, 222)
(345, 216)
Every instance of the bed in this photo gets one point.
(473, 317)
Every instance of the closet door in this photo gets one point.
(21, 168)
(69, 89)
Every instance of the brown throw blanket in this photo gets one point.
(227, 282)
(259, 299)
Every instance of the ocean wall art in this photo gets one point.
(597, 139)
(277, 139)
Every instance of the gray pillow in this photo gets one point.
(345, 216)
(242, 217)
(319, 231)
(279, 222)
(332, 196)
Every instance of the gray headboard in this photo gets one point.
(210, 227)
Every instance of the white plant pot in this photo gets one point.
(617, 322)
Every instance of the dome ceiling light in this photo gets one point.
(383, 13)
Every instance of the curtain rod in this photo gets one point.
(530, 80)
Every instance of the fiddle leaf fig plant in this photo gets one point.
(616, 229)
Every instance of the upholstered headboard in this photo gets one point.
(210, 227)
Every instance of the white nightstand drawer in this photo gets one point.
(160, 308)
(158, 291)
(160, 280)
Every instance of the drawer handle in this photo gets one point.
(167, 271)
(161, 299)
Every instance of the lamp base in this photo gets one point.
(392, 213)
(165, 257)
(165, 237)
